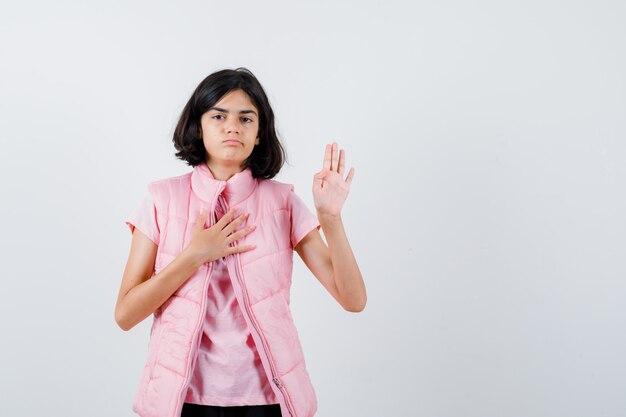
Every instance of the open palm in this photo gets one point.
(330, 189)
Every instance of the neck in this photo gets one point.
(223, 173)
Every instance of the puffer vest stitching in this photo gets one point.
(261, 280)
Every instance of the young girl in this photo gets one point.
(211, 259)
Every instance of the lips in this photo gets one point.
(232, 141)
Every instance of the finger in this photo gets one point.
(327, 156)
(335, 157)
(350, 176)
(223, 222)
(200, 220)
(342, 162)
(318, 179)
(239, 249)
(239, 234)
(230, 227)
(320, 175)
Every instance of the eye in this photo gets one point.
(249, 120)
(217, 115)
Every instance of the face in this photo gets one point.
(230, 129)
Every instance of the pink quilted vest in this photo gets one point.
(261, 280)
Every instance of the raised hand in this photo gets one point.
(330, 189)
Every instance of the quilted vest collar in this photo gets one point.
(235, 190)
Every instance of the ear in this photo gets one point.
(256, 141)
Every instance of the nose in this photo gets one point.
(232, 126)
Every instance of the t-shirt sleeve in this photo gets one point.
(144, 218)
(302, 219)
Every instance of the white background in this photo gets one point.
(486, 213)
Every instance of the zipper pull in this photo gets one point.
(277, 382)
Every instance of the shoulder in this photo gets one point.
(165, 190)
(165, 186)
(281, 191)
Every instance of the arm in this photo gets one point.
(141, 293)
(333, 265)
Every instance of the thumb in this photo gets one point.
(318, 179)
(200, 220)
(320, 174)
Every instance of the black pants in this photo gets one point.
(197, 410)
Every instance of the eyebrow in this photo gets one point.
(226, 111)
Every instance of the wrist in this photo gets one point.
(328, 217)
(190, 258)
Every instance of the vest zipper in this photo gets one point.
(194, 347)
(266, 351)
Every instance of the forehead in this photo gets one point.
(237, 99)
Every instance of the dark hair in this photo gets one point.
(267, 157)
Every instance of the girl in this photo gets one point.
(211, 259)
